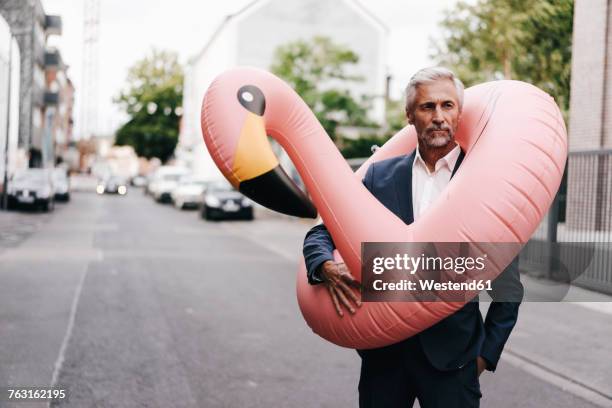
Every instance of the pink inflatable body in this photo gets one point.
(515, 143)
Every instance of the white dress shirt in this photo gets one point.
(427, 185)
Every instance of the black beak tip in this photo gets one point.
(276, 191)
(309, 211)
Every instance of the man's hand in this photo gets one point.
(482, 364)
(340, 284)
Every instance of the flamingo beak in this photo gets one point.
(256, 168)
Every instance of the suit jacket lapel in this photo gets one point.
(458, 163)
(403, 188)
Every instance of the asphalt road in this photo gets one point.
(128, 303)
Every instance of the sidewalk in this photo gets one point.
(17, 225)
(567, 344)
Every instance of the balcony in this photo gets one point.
(53, 59)
(51, 98)
(53, 25)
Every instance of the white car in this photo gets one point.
(33, 187)
(165, 180)
(189, 193)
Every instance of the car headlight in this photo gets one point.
(122, 190)
(246, 202)
(100, 189)
(213, 201)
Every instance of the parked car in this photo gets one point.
(32, 187)
(222, 201)
(165, 180)
(189, 193)
(148, 183)
(112, 185)
(62, 184)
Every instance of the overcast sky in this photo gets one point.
(130, 28)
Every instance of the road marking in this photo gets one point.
(557, 379)
(59, 362)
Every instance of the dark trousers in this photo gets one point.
(393, 377)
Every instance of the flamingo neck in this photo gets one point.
(351, 213)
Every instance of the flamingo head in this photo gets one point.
(239, 145)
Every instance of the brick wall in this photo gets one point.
(590, 128)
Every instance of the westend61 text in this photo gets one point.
(431, 285)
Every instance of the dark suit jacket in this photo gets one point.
(460, 337)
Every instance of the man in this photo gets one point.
(441, 365)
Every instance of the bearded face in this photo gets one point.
(435, 114)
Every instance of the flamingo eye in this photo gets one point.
(252, 99)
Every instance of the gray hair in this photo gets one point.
(427, 76)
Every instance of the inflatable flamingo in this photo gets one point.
(515, 143)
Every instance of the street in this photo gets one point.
(129, 303)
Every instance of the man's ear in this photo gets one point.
(410, 118)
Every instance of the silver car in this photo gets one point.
(189, 192)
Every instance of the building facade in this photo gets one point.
(31, 27)
(251, 36)
(59, 103)
(10, 156)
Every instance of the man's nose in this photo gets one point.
(438, 118)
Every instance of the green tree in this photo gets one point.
(315, 69)
(152, 98)
(528, 40)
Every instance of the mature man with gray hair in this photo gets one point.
(441, 365)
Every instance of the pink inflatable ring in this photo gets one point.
(515, 143)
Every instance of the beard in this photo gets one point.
(436, 137)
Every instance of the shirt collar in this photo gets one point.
(449, 160)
